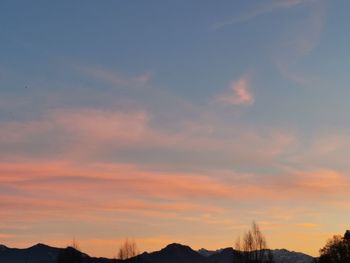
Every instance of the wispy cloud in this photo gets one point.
(112, 135)
(239, 94)
(298, 41)
(115, 77)
(259, 10)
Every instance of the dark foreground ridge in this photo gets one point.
(173, 253)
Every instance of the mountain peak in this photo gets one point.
(39, 245)
(173, 246)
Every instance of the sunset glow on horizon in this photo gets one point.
(174, 121)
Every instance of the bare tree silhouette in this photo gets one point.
(128, 250)
(252, 248)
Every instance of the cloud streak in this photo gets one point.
(116, 78)
(97, 135)
(258, 11)
(299, 41)
(56, 184)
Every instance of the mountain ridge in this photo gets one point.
(172, 253)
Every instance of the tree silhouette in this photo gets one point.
(253, 247)
(128, 250)
(336, 250)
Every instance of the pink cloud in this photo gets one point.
(41, 185)
(323, 181)
(102, 124)
(97, 134)
(240, 93)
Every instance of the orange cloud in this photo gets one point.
(308, 225)
(107, 194)
(6, 236)
(67, 186)
(323, 181)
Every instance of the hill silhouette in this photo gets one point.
(172, 253)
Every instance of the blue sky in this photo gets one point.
(237, 110)
(288, 48)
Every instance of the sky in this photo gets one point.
(174, 121)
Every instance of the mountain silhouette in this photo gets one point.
(40, 253)
(37, 253)
(173, 253)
